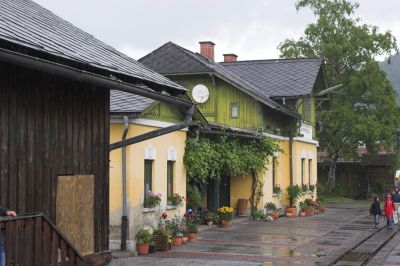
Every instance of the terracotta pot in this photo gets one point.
(275, 215)
(143, 249)
(302, 214)
(177, 241)
(292, 210)
(289, 214)
(322, 209)
(224, 223)
(185, 239)
(316, 211)
(209, 222)
(192, 236)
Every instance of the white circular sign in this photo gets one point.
(200, 93)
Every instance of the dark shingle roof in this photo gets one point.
(172, 58)
(123, 102)
(280, 77)
(28, 24)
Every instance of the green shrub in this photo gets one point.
(270, 206)
(193, 198)
(293, 191)
(258, 215)
(143, 236)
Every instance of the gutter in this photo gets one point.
(124, 218)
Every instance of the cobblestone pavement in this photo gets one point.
(321, 239)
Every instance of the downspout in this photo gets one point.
(291, 154)
(124, 220)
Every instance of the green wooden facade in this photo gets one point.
(252, 114)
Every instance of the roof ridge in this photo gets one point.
(287, 60)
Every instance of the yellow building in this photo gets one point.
(153, 165)
(271, 97)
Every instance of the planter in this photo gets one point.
(322, 209)
(209, 222)
(292, 210)
(177, 241)
(161, 243)
(185, 239)
(153, 209)
(224, 223)
(192, 236)
(143, 249)
(275, 215)
(316, 211)
(302, 214)
(289, 214)
(152, 249)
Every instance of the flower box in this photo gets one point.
(146, 210)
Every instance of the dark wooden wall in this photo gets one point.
(52, 126)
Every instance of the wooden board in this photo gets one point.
(75, 210)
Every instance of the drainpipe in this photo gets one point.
(124, 221)
(291, 154)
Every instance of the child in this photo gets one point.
(389, 209)
(375, 210)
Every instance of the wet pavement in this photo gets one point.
(339, 235)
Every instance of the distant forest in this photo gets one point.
(392, 69)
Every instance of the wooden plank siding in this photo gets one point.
(253, 115)
(51, 126)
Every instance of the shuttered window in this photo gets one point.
(148, 176)
(170, 178)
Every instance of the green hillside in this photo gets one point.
(392, 70)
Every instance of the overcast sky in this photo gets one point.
(251, 29)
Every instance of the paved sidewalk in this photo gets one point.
(389, 254)
(320, 239)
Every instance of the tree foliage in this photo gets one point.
(364, 111)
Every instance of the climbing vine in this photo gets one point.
(207, 159)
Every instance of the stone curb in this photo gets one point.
(385, 250)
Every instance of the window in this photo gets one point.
(273, 172)
(148, 176)
(302, 171)
(170, 178)
(234, 110)
(309, 171)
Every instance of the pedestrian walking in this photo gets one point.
(4, 212)
(389, 209)
(396, 200)
(375, 211)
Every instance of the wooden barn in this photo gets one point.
(55, 82)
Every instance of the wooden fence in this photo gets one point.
(32, 239)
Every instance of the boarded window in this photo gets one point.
(302, 171)
(273, 171)
(75, 210)
(148, 176)
(309, 171)
(170, 178)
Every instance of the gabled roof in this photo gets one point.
(123, 102)
(279, 77)
(171, 58)
(27, 24)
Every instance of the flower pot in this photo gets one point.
(275, 215)
(322, 209)
(161, 243)
(192, 236)
(292, 210)
(289, 214)
(302, 214)
(177, 241)
(209, 222)
(224, 223)
(185, 239)
(143, 249)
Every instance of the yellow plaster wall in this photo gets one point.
(240, 189)
(135, 173)
(307, 151)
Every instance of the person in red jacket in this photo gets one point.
(389, 208)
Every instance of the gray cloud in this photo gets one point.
(252, 29)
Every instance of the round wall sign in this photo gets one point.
(200, 93)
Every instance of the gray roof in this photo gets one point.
(172, 58)
(123, 102)
(26, 23)
(279, 77)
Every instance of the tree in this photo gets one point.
(364, 111)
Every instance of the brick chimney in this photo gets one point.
(230, 58)
(207, 49)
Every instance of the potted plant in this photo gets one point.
(293, 192)
(175, 199)
(276, 190)
(192, 231)
(302, 213)
(258, 215)
(152, 200)
(143, 239)
(272, 210)
(208, 217)
(162, 236)
(225, 215)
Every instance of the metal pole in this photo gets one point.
(124, 220)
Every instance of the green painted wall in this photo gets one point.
(252, 114)
(163, 112)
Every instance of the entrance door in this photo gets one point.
(225, 191)
(75, 210)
